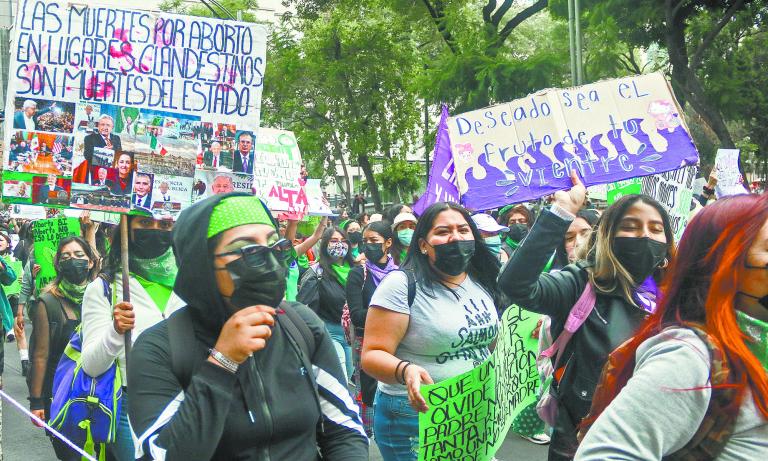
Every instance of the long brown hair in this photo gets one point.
(607, 274)
(700, 287)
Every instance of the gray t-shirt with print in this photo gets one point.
(448, 332)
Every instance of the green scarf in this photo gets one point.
(342, 272)
(757, 331)
(303, 261)
(511, 243)
(72, 292)
(160, 270)
(355, 252)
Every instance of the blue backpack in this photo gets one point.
(85, 409)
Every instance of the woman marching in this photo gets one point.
(237, 374)
(362, 282)
(152, 272)
(694, 378)
(632, 241)
(322, 288)
(55, 316)
(417, 325)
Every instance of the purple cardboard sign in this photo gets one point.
(609, 131)
(441, 186)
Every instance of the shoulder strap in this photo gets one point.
(181, 337)
(576, 318)
(719, 421)
(52, 304)
(411, 277)
(301, 337)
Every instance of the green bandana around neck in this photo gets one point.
(160, 270)
(757, 331)
(72, 292)
(342, 272)
(237, 211)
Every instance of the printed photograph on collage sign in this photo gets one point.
(38, 159)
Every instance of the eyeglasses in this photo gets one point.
(256, 255)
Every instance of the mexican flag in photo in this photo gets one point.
(156, 146)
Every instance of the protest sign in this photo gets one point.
(470, 414)
(608, 131)
(27, 212)
(619, 189)
(728, 173)
(102, 94)
(47, 233)
(674, 190)
(277, 166)
(441, 185)
(18, 268)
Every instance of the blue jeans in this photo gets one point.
(343, 350)
(395, 427)
(122, 449)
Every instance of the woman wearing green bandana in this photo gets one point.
(323, 289)
(692, 384)
(152, 273)
(54, 318)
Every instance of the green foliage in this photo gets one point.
(400, 175)
(231, 6)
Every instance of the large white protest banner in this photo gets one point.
(608, 131)
(99, 95)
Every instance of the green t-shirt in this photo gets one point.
(292, 285)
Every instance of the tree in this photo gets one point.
(210, 11)
(687, 29)
(347, 78)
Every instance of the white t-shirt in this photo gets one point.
(448, 332)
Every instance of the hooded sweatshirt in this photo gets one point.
(265, 411)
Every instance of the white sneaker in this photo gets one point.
(538, 439)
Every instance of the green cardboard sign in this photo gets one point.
(619, 189)
(470, 414)
(47, 234)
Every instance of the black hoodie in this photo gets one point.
(266, 411)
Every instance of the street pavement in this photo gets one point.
(23, 441)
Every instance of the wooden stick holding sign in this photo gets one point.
(124, 231)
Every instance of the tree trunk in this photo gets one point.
(373, 187)
(346, 189)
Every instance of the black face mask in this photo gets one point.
(373, 251)
(150, 243)
(640, 256)
(355, 238)
(74, 270)
(264, 284)
(517, 232)
(453, 258)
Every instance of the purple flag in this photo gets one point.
(441, 186)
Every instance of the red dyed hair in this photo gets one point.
(700, 287)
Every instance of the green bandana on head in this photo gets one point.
(757, 331)
(237, 211)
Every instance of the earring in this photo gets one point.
(666, 263)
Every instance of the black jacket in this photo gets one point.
(612, 321)
(268, 410)
(322, 293)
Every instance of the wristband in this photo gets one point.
(224, 361)
(402, 374)
(397, 369)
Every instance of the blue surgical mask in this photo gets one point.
(494, 244)
(405, 236)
